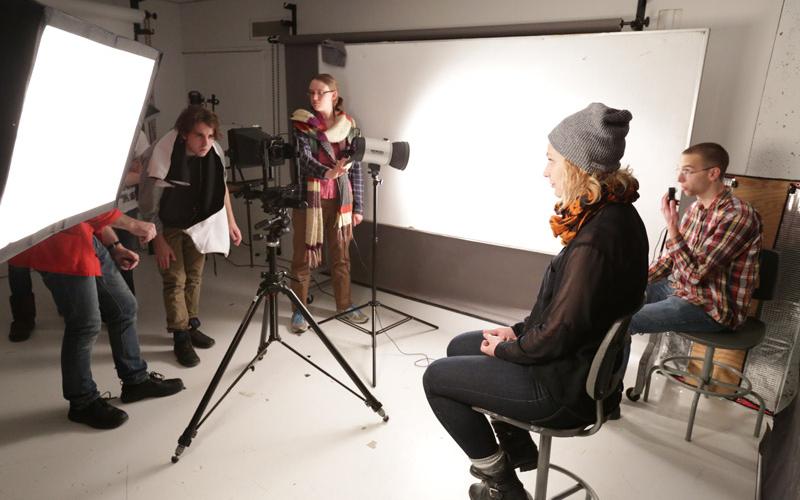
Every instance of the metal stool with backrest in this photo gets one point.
(747, 336)
(604, 377)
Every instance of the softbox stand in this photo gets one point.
(374, 304)
(271, 285)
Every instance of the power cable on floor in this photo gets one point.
(422, 362)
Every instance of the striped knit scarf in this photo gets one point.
(570, 218)
(314, 127)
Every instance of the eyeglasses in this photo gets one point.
(686, 172)
(318, 93)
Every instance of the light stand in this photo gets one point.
(272, 284)
(373, 304)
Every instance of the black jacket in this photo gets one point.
(600, 276)
(198, 188)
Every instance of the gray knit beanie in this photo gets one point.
(593, 138)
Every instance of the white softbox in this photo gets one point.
(73, 96)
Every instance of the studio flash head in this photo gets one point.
(381, 152)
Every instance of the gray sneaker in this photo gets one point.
(299, 323)
(354, 316)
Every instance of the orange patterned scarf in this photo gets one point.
(570, 218)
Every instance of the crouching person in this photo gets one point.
(78, 267)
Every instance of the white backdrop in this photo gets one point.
(477, 113)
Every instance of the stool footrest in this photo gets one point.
(581, 485)
(669, 366)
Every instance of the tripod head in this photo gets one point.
(275, 202)
(274, 227)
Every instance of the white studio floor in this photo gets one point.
(287, 432)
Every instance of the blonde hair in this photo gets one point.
(578, 183)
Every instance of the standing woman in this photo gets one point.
(333, 187)
(537, 369)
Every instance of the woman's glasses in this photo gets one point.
(318, 93)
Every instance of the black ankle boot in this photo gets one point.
(518, 445)
(23, 313)
(183, 349)
(501, 483)
(199, 339)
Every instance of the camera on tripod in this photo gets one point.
(252, 147)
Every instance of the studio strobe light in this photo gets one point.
(381, 152)
(376, 153)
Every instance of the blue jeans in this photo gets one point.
(664, 312)
(467, 378)
(84, 301)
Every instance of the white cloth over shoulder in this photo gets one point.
(209, 236)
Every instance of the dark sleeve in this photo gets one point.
(569, 316)
(357, 181)
(309, 166)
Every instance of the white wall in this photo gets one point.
(170, 86)
(742, 35)
(740, 46)
(776, 143)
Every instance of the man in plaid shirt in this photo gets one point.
(706, 277)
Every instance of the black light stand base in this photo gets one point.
(374, 171)
(374, 305)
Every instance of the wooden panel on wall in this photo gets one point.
(768, 196)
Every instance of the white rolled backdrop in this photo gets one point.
(477, 113)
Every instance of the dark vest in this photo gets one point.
(198, 188)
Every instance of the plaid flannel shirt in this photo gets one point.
(311, 167)
(713, 262)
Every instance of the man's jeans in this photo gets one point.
(664, 312)
(83, 301)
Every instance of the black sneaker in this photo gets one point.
(184, 351)
(156, 386)
(98, 414)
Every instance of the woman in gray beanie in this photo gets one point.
(536, 370)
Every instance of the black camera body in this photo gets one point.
(252, 147)
(278, 151)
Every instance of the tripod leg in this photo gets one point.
(269, 323)
(191, 430)
(369, 399)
